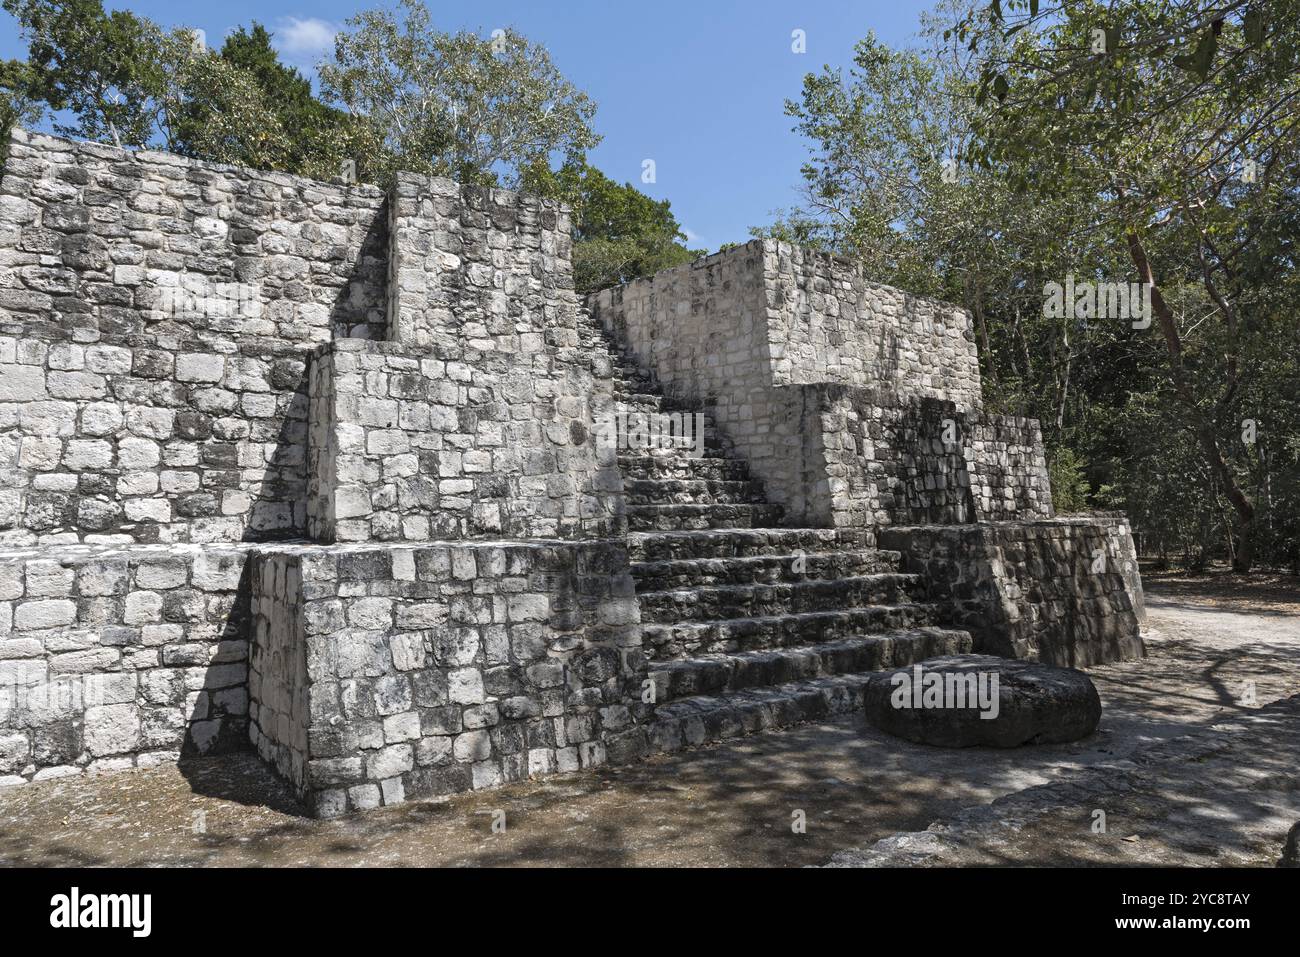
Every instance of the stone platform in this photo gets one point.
(331, 472)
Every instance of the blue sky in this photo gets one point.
(696, 86)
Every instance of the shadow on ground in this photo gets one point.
(734, 804)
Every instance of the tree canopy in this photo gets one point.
(620, 233)
(1144, 141)
(491, 110)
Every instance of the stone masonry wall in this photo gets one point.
(470, 264)
(189, 424)
(98, 243)
(826, 323)
(162, 323)
(487, 332)
(277, 668)
(1008, 468)
(1064, 591)
(414, 448)
(168, 442)
(436, 669)
(742, 331)
(865, 460)
(155, 319)
(114, 657)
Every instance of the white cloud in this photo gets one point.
(304, 40)
(692, 236)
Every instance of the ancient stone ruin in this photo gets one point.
(356, 479)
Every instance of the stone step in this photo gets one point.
(672, 464)
(603, 347)
(643, 392)
(692, 722)
(680, 457)
(626, 378)
(692, 491)
(640, 402)
(714, 602)
(743, 543)
(643, 518)
(654, 403)
(757, 569)
(615, 353)
(684, 639)
(717, 674)
(650, 395)
(626, 370)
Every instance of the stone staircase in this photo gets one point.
(748, 625)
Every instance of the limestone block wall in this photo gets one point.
(156, 315)
(435, 669)
(487, 334)
(1008, 468)
(1064, 591)
(158, 392)
(827, 323)
(277, 667)
(743, 331)
(170, 441)
(864, 459)
(165, 328)
(411, 447)
(469, 265)
(113, 657)
(98, 242)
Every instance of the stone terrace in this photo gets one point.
(330, 473)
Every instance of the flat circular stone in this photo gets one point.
(963, 701)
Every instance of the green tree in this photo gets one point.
(1174, 125)
(316, 135)
(1069, 483)
(491, 111)
(884, 185)
(620, 233)
(118, 77)
(18, 105)
(208, 108)
(1111, 168)
(90, 63)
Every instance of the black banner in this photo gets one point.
(337, 906)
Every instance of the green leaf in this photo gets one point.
(1199, 60)
(1000, 87)
(1253, 26)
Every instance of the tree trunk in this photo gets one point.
(1204, 429)
(978, 302)
(1063, 380)
(1244, 559)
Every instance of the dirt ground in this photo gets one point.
(734, 804)
(1262, 590)
(1224, 796)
